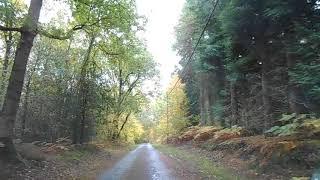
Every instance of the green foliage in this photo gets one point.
(250, 38)
(293, 124)
(12, 12)
(171, 113)
(287, 118)
(306, 72)
(133, 132)
(218, 110)
(85, 84)
(289, 129)
(78, 153)
(202, 163)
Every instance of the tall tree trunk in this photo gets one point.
(201, 100)
(83, 117)
(8, 37)
(84, 91)
(266, 94)
(234, 104)
(243, 91)
(115, 134)
(9, 42)
(124, 123)
(27, 96)
(115, 124)
(12, 98)
(217, 88)
(204, 99)
(75, 130)
(264, 55)
(25, 108)
(296, 96)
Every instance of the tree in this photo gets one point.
(12, 98)
(52, 91)
(171, 111)
(75, 84)
(126, 73)
(9, 16)
(28, 32)
(250, 60)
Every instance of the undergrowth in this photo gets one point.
(77, 153)
(203, 164)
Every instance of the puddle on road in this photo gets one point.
(158, 169)
(121, 167)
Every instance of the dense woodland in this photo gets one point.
(81, 75)
(256, 61)
(78, 77)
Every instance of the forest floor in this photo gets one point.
(196, 162)
(215, 165)
(101, 161)
(119, 162)
(219, 152)
(82, 162)
(106, 162)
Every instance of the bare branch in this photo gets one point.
(106, 52)
(61, 37)
(124, 123)
(131, 86)
(69, 32)
(3, 28)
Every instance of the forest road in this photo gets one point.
(143, 163)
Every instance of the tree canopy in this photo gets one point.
(255, 56)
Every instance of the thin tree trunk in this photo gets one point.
(84, 91)
(243, 100)
(115, 134)
(12, 98)
(26, 98)
(83, 118)
(296, 96)
(124, 123)
(75, 130)
(218, 87)
(115, 124)
(8, 41)
(234, 104)
(266, 94)
(25, 108)
(203, 99)
(66, 98)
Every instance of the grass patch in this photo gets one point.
(202, 163)
(74, 155)
(77, 153)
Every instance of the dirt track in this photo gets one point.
(143, 163)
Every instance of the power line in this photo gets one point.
(198, 42)
(189, 61)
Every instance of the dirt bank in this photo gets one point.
(80, 162)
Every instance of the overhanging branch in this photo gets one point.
(69, 33)
(3, 28)
(61, 37)
(107, 53)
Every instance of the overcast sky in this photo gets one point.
(162, 16)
